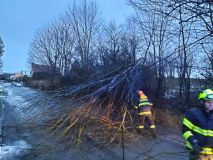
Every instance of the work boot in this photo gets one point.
(140, 129)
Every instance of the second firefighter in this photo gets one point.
(144, 111)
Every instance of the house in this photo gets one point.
(40, 71)
(17, 76)
(37, 68)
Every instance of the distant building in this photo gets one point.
(41, 71)
(37, 68)
(17, 76)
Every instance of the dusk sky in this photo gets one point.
(20, 19)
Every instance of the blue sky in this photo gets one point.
(20, 19)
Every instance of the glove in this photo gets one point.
(136, 107)
(196, 146)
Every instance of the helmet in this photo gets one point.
(206, 95)
(141, 94)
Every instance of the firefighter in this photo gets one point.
(197, 128)
(144, 112)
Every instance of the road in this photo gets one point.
(26, 136)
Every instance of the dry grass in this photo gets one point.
(94, 121)
(167, 119)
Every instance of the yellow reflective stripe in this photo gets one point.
(136, 107)
(144, 100)
(187, 134)
(189, 145)
(141, 127)
(144, 113)
(197, 129)
(202, 152)
(145, 103)
(152, 126)
(187, 123)
(207, 150)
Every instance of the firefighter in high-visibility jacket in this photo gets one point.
(197, 128)
(144, 111)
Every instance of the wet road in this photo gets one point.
(21, 131)
(25, 134)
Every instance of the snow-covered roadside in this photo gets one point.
(13, 150)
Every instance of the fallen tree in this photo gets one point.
(118, 87)
(102, 108)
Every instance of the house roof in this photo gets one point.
(36, 68)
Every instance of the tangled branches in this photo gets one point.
(102, 108)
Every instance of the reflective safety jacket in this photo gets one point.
(144, 102)
(198, 125)
(144, 106)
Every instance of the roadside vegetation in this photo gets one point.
(164, 49)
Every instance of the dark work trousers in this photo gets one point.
(143, 117)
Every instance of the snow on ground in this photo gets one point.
(9, 151)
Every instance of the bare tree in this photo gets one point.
(116, 47)
(155, 30)
(45, 48)
(54, 46)
(131, 31)
(186, 32)
(195, 22)
(207, 67)
(65, 46)
(40, 50)
(113, 38)
(198, 11)
(83, 19)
